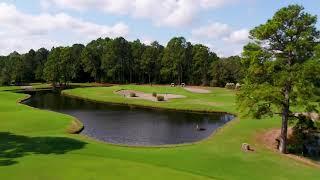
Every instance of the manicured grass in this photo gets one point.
(34, 145)
(219, 100)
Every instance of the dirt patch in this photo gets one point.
(268, 139)
(197, 90)
(146, 96)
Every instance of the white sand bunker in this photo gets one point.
(197, 90)
(146, 96)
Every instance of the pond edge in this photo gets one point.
(235, 119)
(75, 126)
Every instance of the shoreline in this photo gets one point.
(75, 126)
(235, 118)
(149, 107)
(210, 137)
(80, 127)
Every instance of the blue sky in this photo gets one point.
(222, 25)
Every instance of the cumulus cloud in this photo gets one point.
(21, 31)
(230, 40)
(212, 31)
(220, 31)
(239, 36)
(173, 13)
(215, 3)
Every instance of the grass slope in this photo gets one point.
(34, 145)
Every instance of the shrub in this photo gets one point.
(160, 98)
(304, 138)
(132, 94)
(154, 94)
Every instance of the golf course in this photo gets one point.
(159, 90)
(36, 143)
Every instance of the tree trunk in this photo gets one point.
(284, 126)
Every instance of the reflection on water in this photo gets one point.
(129, 125)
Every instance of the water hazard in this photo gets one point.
(129, 125)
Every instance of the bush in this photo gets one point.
(132, 94)
(304, 139)
(154, 94)
(160, 98)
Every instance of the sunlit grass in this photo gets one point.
(34, 144)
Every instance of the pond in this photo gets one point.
(130, 125)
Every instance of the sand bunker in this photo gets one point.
(146, 96)
(197, 90)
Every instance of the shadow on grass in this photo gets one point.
(14, 146)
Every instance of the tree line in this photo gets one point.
(120, 61)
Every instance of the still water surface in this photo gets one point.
(120, 124)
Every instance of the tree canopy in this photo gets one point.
(280, 64)
(117, 60)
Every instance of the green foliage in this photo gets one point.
(202, 60)
(6, 69)
(151, 61)
(137, 49)
(176, 60)
(276, 61)
(277, 70)
(63, 64)
(154, 94)
(304, 134)
(116, 60)
(40, 58)
(226, 70)
(120, 61)
(52, 70)
(91, 58)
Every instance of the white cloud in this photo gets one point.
(215, 3)
(21, 31)
(239, 36)
(212, 31)
(146, 40)
(230, 40)
(173, 13)
(45, 5)
(220, 31)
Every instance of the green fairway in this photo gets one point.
(34, 144)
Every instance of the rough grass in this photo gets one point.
(34, 145)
